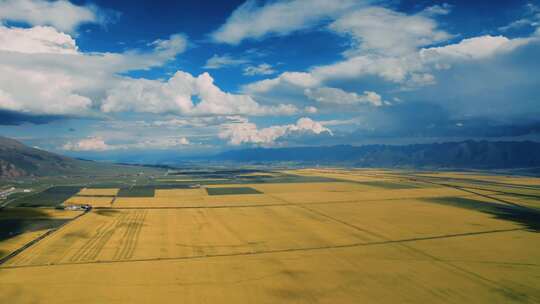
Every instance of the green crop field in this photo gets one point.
(231, 191)
(51, 197)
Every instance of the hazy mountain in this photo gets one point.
(17, 159)
(466, 154)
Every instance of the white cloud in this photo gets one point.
(60, 14)
(531, 18)
(387, 32)
(177, 96)
(311, 110)
(39, 39)
(98, 144)
(385, 44)
(88, 144)
(335, 96)
(474, 48)
(43, 71)
(41, 92)
(248, 133)
(159, 143)
(217, 62)
(167, 48)
(261, 69)
(412, 69)
(434, 10)
(250, 21)
(298, 79)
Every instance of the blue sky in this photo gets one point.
(103, 79)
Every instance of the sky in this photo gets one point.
(117, 80)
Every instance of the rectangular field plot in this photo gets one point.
(98, 192)
(110, 234)
(136, 191)
(231, 190)
(180, 193)
(50, 197)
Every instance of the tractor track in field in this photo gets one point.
(251, 253)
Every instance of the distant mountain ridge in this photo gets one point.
(17, 159)
(465, 154)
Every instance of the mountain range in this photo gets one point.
(465, 154)
(17, 159)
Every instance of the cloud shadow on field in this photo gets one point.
(526, 217)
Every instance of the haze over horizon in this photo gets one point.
(102, 78)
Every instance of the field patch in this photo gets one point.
(181, 193)
(231, 191)
(136, 191)
(94, 201)
(50, 197)
(98, 192)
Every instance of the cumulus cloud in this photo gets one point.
(261, 69)
(177, 96)
(248, 133)
(335, 96)
(474, 48)
(61, 14)
(39, 39)
(98, 144)
(251, 21)
(43, 71)
(217, 62)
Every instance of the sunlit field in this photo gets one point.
(298, 236)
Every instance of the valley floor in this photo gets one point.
(300, 236)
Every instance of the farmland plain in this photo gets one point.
(295, 236)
